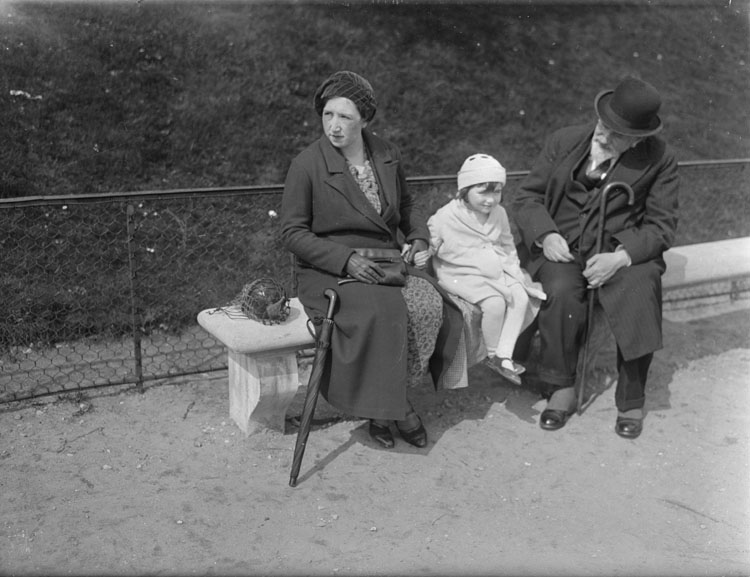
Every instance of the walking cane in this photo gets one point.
(322, 345)
(592, 292)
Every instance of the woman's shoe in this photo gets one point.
(382, 435)
(416, 436)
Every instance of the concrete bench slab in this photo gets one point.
(707, 262)
(262, 363)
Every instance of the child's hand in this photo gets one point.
(409, 250)
(421, 258)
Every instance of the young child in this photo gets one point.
(474, 257)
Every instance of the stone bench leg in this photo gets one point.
(261, 388)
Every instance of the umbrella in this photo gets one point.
(322, 345)
(590, 316)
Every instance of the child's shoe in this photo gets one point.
(506, 368)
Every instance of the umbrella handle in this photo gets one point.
(332, 298)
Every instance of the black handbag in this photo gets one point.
(388, 259)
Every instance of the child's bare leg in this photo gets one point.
(493, 317)
(514, 316)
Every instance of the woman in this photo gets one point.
(348, 191)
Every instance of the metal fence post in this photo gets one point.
(133, 308)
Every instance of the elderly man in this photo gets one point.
(557, 213)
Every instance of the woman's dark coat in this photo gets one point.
(646, 229)
(325, 216)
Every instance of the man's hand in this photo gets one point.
(555, 248)
(602, 267)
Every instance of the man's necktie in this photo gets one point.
(599, 172)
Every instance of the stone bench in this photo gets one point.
(707, 262)
(262, 363)
(262, 359)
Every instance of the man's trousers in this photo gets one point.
(562, 325)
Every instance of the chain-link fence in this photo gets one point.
(104, 290)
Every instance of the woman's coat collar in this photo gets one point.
(340, 179)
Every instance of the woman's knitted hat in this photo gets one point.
(480, 168)
(349, 85)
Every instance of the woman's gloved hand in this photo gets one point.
(363, 269)
(422, 258)
(409, 250)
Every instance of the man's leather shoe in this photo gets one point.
(553, 419)
(628, 428)
(381, 435)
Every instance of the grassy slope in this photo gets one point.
(157, 95)
(154, 96)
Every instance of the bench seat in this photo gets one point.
(707, 262)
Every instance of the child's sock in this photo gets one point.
(508, 364)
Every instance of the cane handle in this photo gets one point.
(623, 185)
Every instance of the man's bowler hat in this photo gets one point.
(631, 108)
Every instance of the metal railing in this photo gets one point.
(103, 290)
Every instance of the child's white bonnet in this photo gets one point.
(480, 168)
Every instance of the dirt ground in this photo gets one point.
(164, 483)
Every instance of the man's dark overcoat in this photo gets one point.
(325, 216)
(632, 298)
